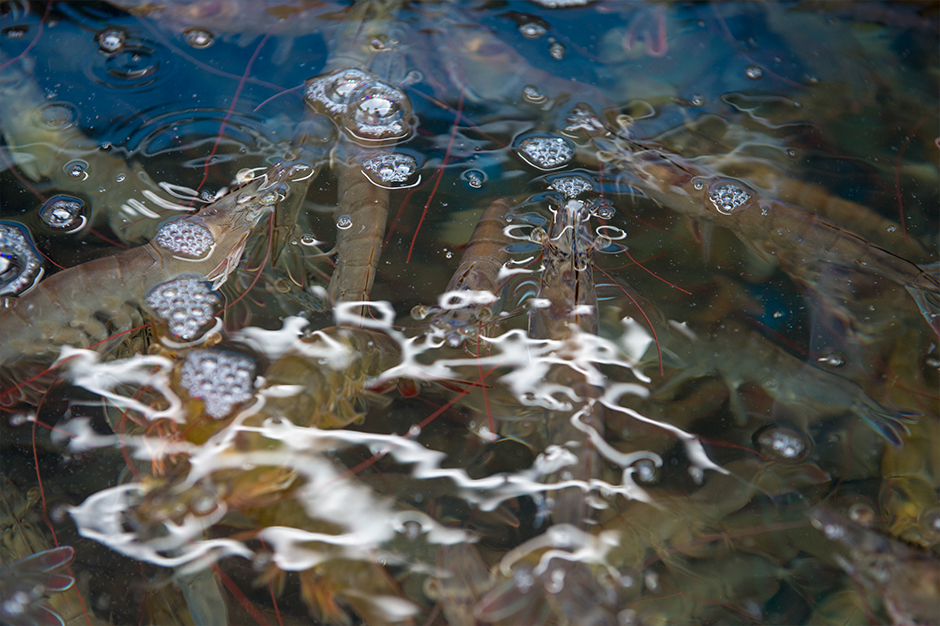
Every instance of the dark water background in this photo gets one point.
(837, 99)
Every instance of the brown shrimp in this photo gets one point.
(741, 356)
(566, 284)
(91, 302)
(361, 216)
(781, 230)
(475, 285)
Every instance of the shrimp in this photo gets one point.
(358, 77)
(28, 564)
(93, 301)
(474, 286)
(566, 285)
(905, 578)
(742, 356)
(327, 391)
(796, 237)
(46, 144)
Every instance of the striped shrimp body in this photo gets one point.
(88, 303)
(566, 286)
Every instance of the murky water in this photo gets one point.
(651, 333)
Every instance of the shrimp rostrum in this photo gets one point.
(87, 304)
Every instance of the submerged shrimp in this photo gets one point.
(566, 285)
(93, 301)
(741, 356)
(796, 237)
(473, 289)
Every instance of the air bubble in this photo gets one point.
(532, 30)
(697, 100)
(531, 93)
(390, 168)
(832, 359)
(473, 178)
(332, 92)
(861, 513)
(309, 240)
(378, 112)
(782, 444)
(603, 210)
(645, 471)
(198, 37)
(571, 186)
(186, 303)
(111, 40)
(754, 72)
(57, 116)
(727, 197)
(63, 213)
(185, 236)
(557, 50)
(76, 169)
(344, 222)
(546, 152)
(20, 263)
(220, 379)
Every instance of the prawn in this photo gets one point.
(777, 228)
(46, 144)
(355, 72)
(740, 356)
(474, 286)
(566, 292)
(100, 299)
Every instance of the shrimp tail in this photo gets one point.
(926, 293)
(890, 425)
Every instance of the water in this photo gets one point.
(721, 394)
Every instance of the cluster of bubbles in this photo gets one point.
(546, 152)
(727, 197)
(220, 379)
(390, 168)
(184, 236)
(783, 444)
(185, 303)
(571, 185)
(474, 178)
(367, 107)
(20, 264)
(63, 213)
